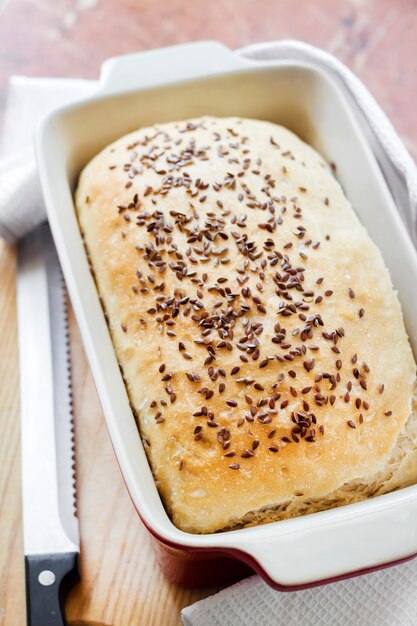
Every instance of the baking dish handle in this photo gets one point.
(165, 65)
(333, 544)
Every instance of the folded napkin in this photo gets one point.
(386, 598)
(21, 202)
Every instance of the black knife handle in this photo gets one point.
(48, 578)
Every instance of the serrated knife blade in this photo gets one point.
(50, 525)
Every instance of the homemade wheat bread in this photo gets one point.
(259, 335)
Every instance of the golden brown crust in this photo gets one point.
(251, 314)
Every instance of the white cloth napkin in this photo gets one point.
(21, 202)
(386, 598)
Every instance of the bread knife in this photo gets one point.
(50, 526)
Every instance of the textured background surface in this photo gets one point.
(121, 584)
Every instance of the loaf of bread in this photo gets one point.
(259, 335)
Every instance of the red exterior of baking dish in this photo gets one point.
(190, 567)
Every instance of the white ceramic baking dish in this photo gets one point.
(207, 78)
